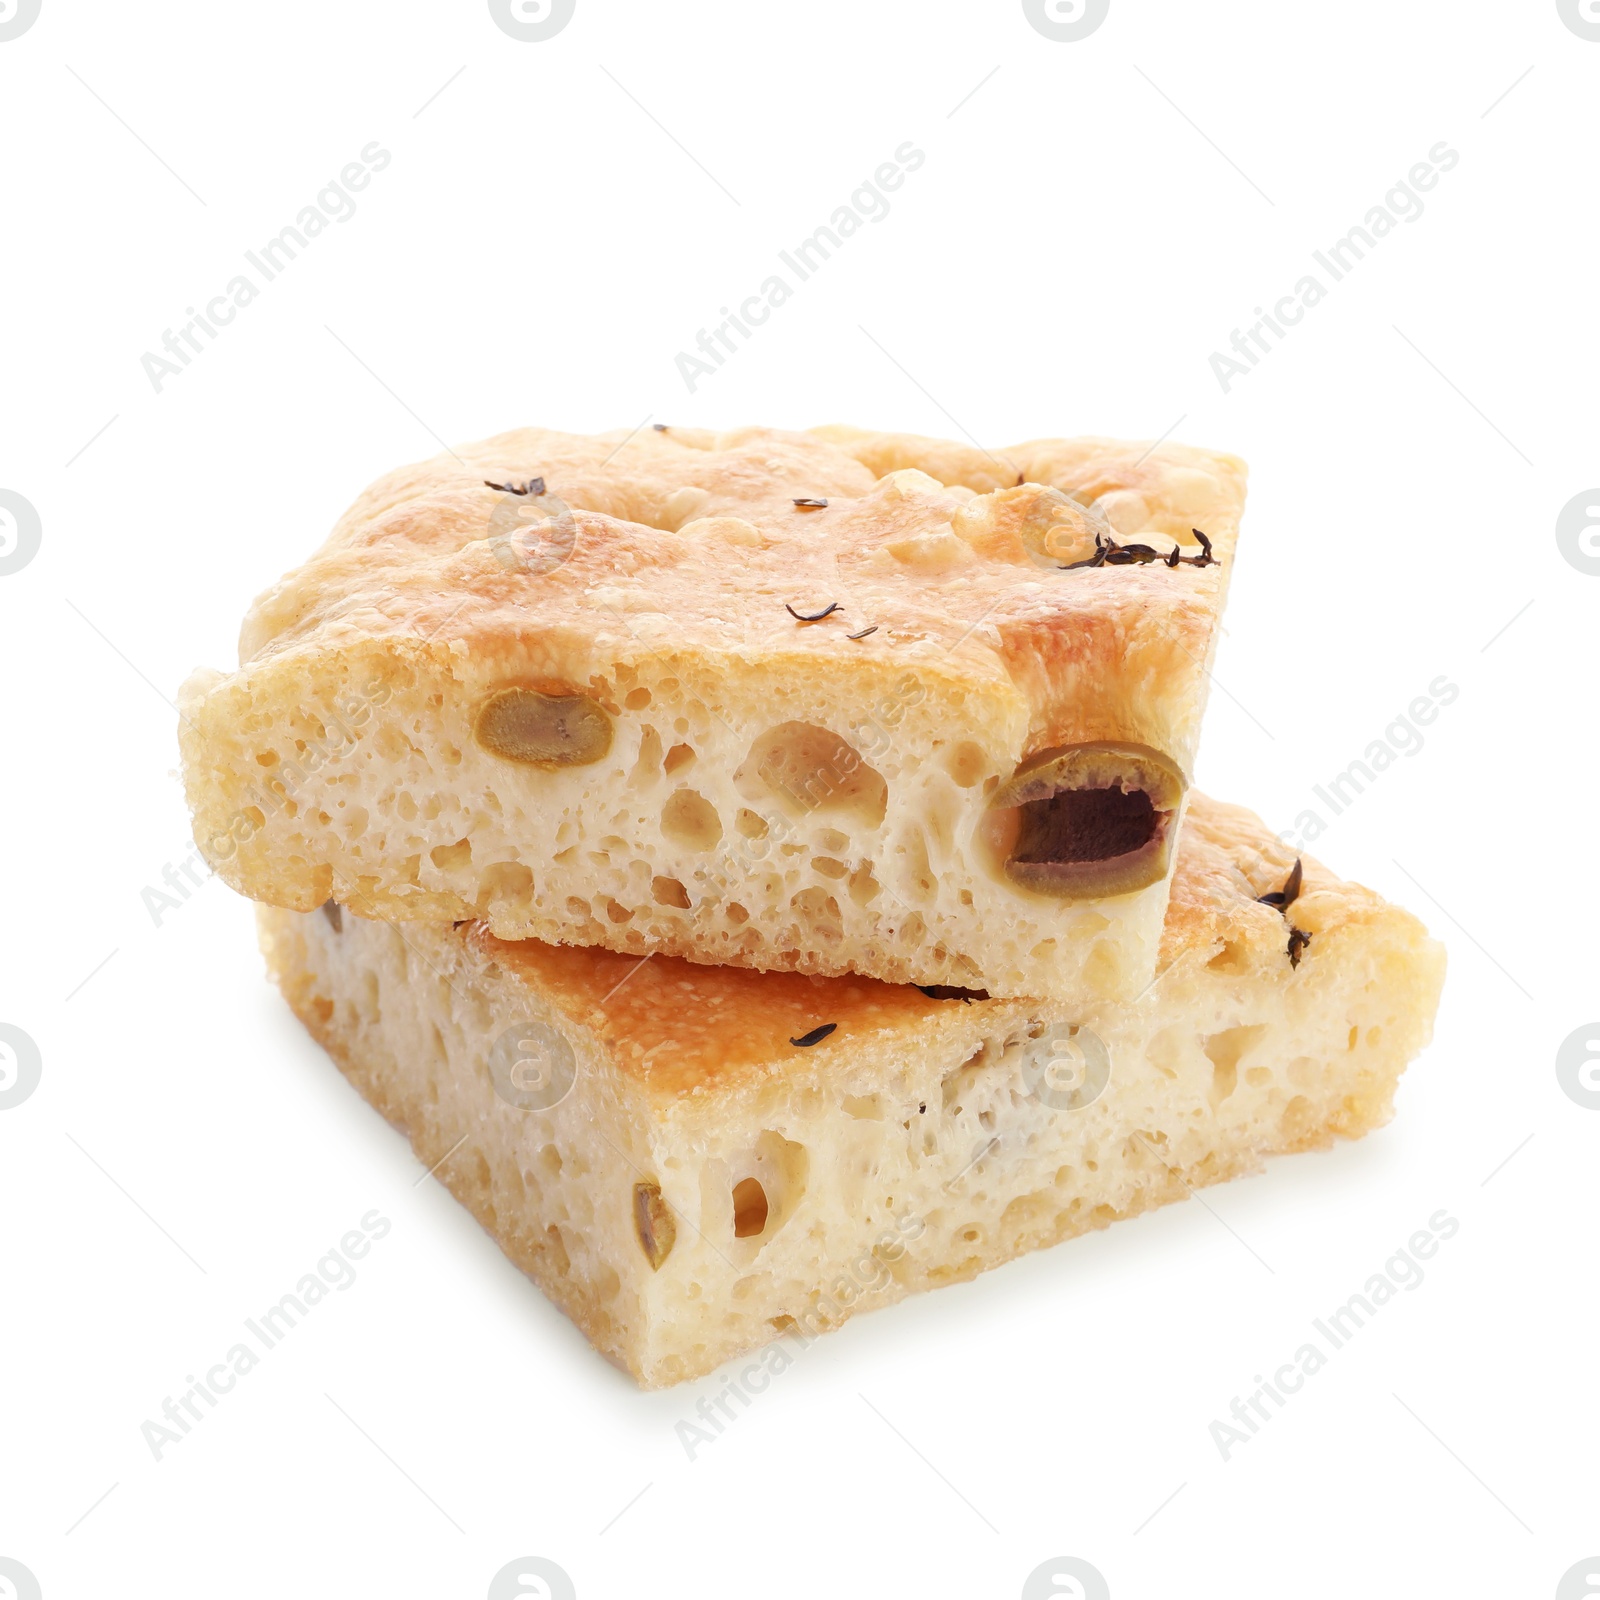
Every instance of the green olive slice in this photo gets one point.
(1087, 821)
(543, 730)
(652, 1222)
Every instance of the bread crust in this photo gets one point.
(912, 1109)
(1113, 652)
(339, 759)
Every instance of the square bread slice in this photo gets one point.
(692, 1161)
(823, 702)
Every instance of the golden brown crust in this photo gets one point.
(921, 1135)
(677, 1027)
(693, 548)
(357, 754)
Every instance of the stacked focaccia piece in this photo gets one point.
(760, 869)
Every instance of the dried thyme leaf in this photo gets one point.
(816, 1036)
(1281, 900)
(1098, 559)
(1285, 897)
(1108, 553)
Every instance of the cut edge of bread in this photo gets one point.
(920, 1143)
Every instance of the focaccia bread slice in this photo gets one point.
(692, 1161)
(650, 692)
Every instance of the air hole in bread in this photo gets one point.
(452, 857)
(810, 769)
(648, 764)
(749, 1209)
(690, 820)
(958, 1082)
(669, 892)
(1225, 1050)
(864, 1107)
(680, 755)
(863, 886)
(1233, 958)
(1298, 1118)
(965, 762)
(919, 879)
(819, 912)
(556, 1249)
(766, 1184)
(505, 880)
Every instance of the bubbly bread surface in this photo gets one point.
(694, 1161)
(795, 701)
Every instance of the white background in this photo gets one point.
(1092, 221)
